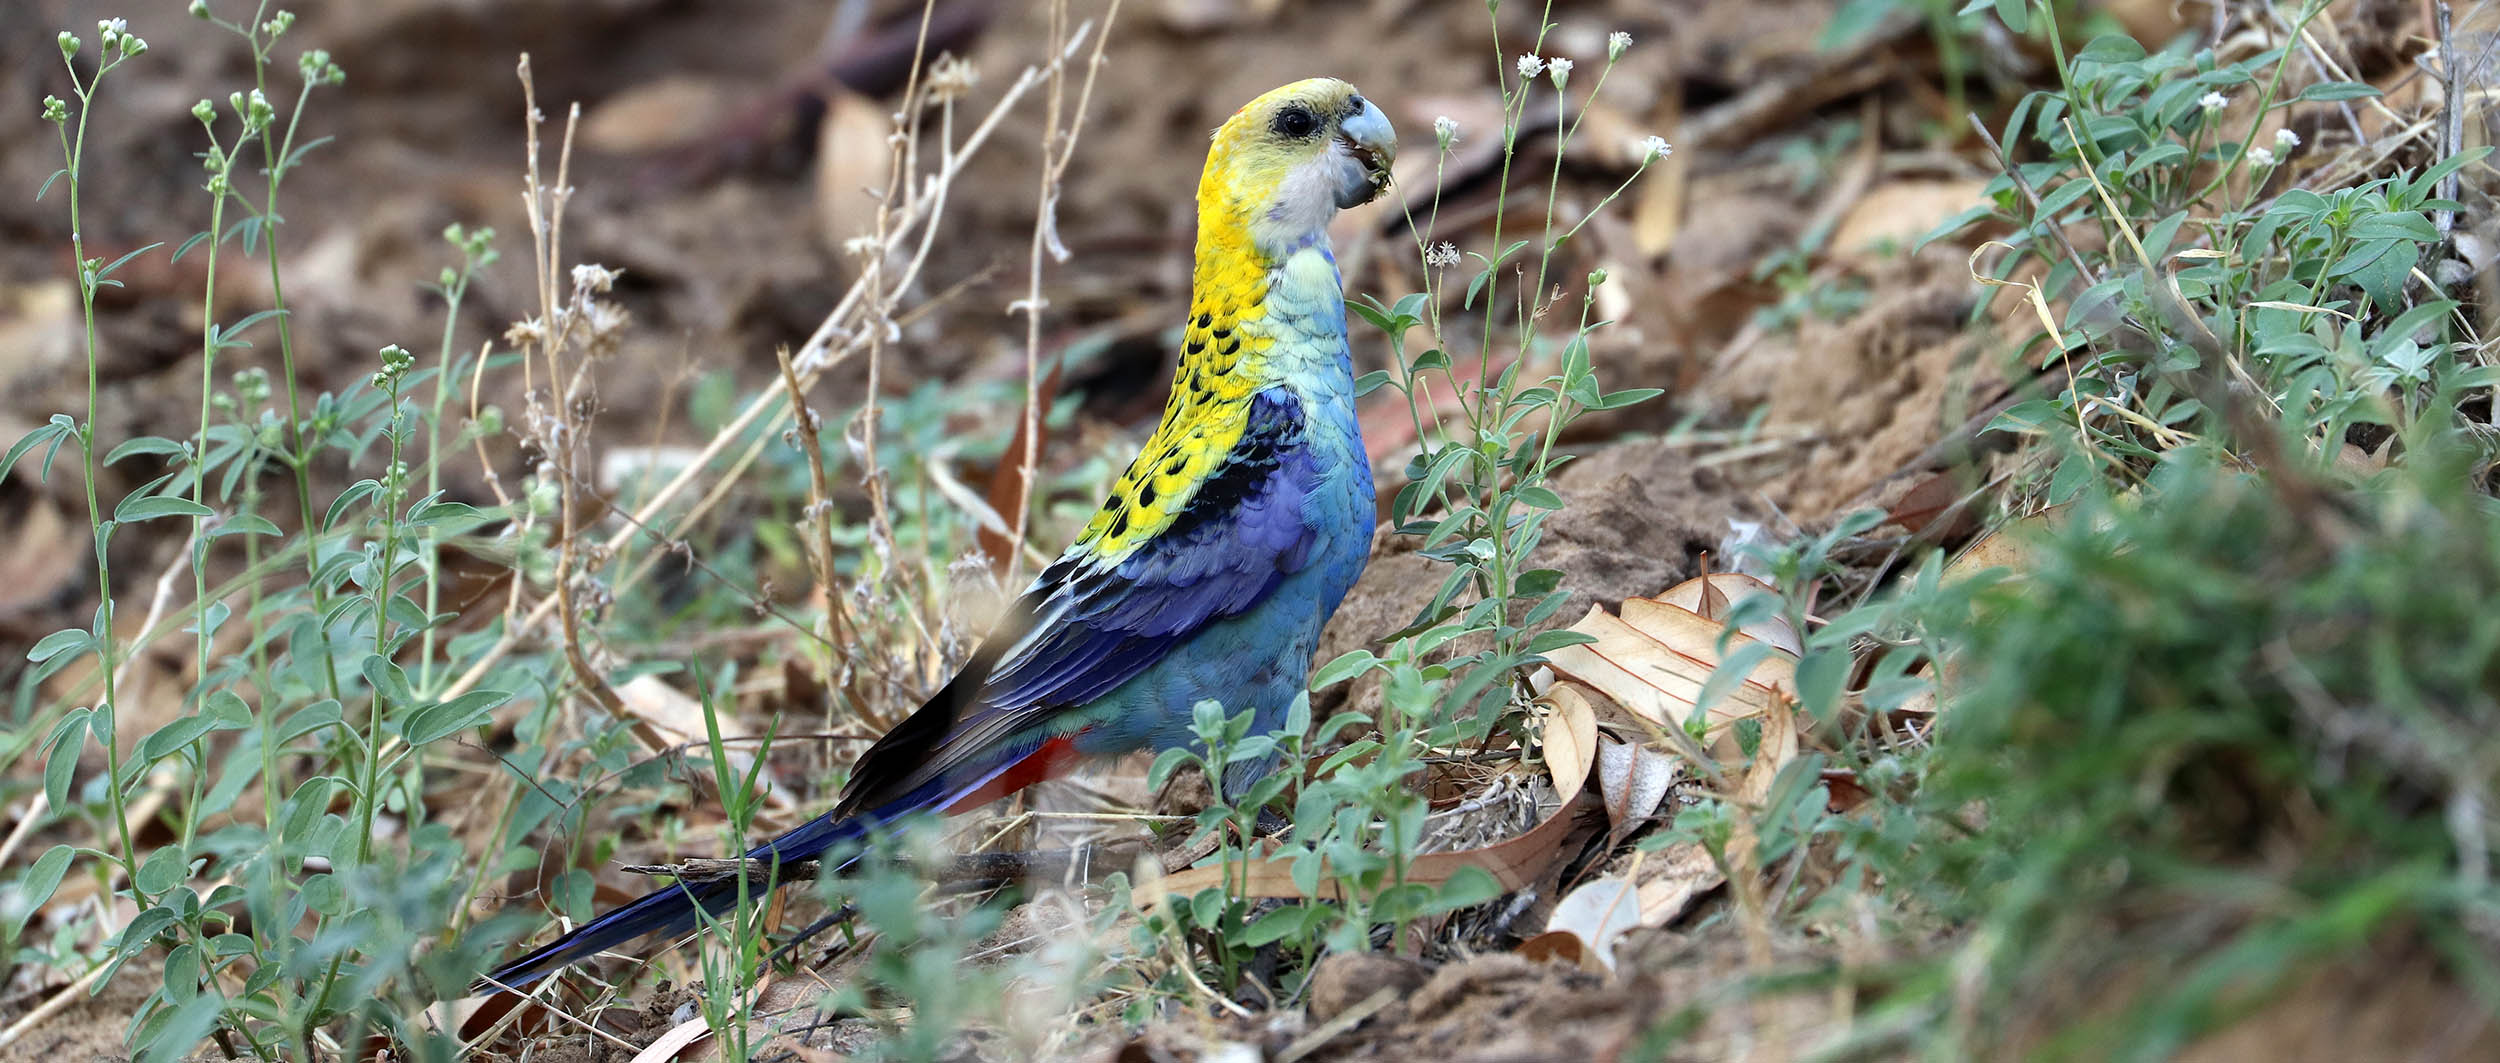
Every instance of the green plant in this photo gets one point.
(219, 906)
(2301, 296)
(2219, 729)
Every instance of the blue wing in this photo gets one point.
(1086, 626)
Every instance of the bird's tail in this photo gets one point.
(671, 909)
(674, 909)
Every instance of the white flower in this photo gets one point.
(2212, 101)
(2260, 157)
(2286, 139)
(1652, 149)
(590, 277)
(1442, 255)
(1617, 43)
(1530, 66)
(1561, 70)
(1445, 130)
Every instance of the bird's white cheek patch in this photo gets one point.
(1305, 200)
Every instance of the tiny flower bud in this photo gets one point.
(1617, 43)
(277, 25)
(199, 9)
(1597, 276)
(448, 277)
(396, 358)
(69, 44)
(1445, 130)
(133, 45)
(54, 110)
(205, 111)
(1560, 70)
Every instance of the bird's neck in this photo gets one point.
(1257, 317)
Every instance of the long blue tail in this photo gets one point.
(671, 909)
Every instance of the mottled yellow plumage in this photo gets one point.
(1225, 345)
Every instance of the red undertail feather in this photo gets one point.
(1044, 762)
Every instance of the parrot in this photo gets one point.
(1208, 572)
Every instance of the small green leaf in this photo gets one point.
(179, 732)
(390, 682)
(1291, 921)
(1616, 400)
(60, 764)
(52, 432)
(2111, 48)
(143, 445)
(1958, 222)
(440, 721)
(66, 640)
(161, 871)
(42, 878)
(445, 513)
(1349, 664)
(119, 262)
(246, 524)
(2326, 91)
(1548, 641)
(137, 508)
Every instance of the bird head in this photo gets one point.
(1283, 165)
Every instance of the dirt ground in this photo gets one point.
(720, 162)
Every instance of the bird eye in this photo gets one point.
(1296, 122)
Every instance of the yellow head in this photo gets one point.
(1283, 165)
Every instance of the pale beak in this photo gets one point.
(1369, 139)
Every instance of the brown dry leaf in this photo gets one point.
(1655, 659)
(1899, 213)
(1570, 738)
(1777, 747)
(671, 111)
(852, 161)
(2006, 546)
(1729, 588)
(1558, 946)
(1653, 892)
(1672, 877)
(1634, 778)
(1597, 913)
